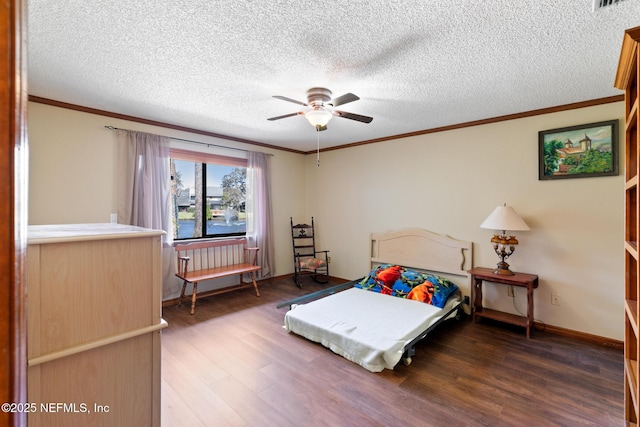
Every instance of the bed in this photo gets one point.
(359, 322)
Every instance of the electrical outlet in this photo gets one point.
(555, 299)
(510, 291)
(329, 260)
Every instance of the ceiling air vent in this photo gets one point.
(600, 4)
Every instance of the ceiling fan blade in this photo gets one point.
(356, 117)
(343, 99)
(284, 98)
(285, 116)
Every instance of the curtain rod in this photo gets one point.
(193, 142)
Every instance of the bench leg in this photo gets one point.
(193, 298)
(255, 285)
(184, 285)
(253, 279)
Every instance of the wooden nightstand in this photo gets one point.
(529, 281)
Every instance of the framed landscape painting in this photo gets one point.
(578, 151)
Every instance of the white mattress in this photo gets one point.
(364, 327)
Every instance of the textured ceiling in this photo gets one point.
(415, 64)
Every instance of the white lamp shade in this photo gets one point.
(318, 116)
(505, 218)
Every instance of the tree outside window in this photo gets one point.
(209, 199)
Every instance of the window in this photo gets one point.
(208, 195)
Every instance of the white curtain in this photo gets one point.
(258, 208)
(144, 191)
(144, 181)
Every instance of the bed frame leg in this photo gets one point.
(408, 354)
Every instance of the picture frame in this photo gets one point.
(581, 151)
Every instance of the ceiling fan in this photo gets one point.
(323, 108)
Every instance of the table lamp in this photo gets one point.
(504, 218)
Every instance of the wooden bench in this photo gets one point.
(213, 259)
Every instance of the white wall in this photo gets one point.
(72, 173)
(446, 182)
(449, 182)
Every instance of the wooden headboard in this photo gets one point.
(424, 250)
(417, 249)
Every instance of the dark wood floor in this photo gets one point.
(232, 364)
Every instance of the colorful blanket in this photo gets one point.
(402, 282)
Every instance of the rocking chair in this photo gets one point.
(306, 261)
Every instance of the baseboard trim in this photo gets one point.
(582, 336)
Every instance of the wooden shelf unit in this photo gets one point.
(627, 78)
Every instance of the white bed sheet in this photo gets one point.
(364, 327)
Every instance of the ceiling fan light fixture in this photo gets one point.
(321, 108)
(318, 117)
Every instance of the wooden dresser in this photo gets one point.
(94, 321)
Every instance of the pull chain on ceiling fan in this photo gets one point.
(318, 147)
